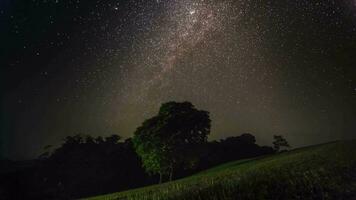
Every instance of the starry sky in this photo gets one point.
(102, 67)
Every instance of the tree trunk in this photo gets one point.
(160, 178)
(171, 174)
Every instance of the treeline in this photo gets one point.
(85, 166)
(173, 144)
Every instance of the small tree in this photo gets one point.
(280, 142)
(163, 141)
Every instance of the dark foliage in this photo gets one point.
(280, 143)
(82, 166)
(229, 149)
(165, 141)
(86, 166)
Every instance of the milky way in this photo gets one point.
(99, 68)
(183, 26)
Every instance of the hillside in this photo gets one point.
(326, 171)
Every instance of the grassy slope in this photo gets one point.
(325, 171)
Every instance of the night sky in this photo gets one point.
(102, 67)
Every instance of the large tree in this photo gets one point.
(166, 140)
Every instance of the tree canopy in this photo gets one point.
(164, 141)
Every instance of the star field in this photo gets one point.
(102, 67)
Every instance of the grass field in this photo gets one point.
(325, 171)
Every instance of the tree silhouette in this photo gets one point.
(280, 141)
(163, 141)
(86, 166)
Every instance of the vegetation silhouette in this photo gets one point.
(280, 142)
(166, 140)
(174, 141)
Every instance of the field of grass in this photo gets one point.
(325, 171)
